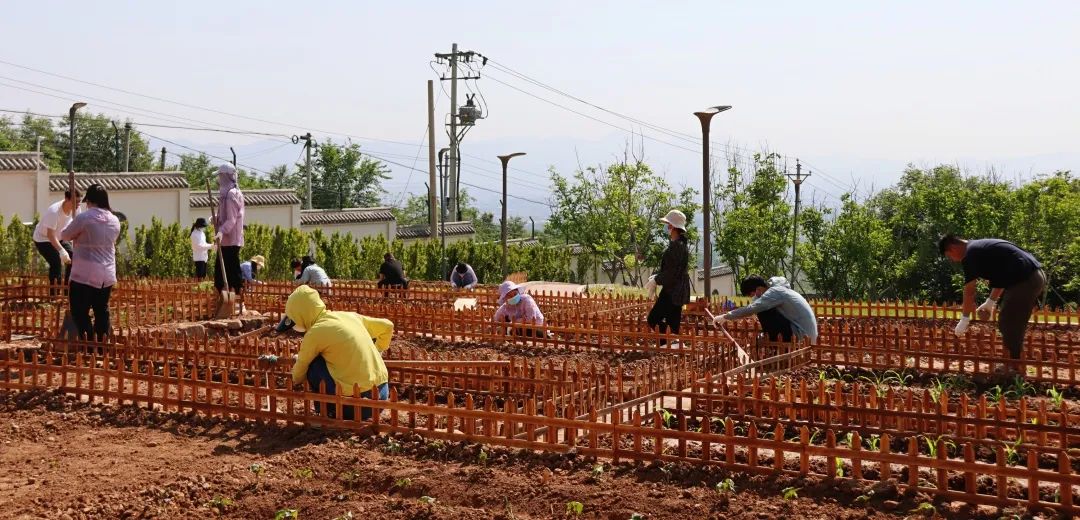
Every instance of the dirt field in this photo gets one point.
(64, 459)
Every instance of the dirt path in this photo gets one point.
(68, 460)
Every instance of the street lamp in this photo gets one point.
(705, 116)
(71, 148)
(505, 159)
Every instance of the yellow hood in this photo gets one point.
(304, 307)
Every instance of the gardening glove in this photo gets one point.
(986, 309)
(721, 320)
(217, 237)
(650, 286)
(962, 327)
(64, 256)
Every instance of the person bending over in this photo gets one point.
(783, 313)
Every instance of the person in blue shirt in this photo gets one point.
(783, 313)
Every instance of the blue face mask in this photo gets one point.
(515, 300)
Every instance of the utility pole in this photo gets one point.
(116, 143)
(127, 147)
(455, 153)
(162, 168)
(431, 157)
(307, 163)
(797, 179)
(233, 156)
(442, 210)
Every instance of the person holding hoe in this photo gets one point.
(229, 238)
(47, 237)
(783, 313)
(1015, 277)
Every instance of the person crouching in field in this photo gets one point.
(47, 238)
(1012, 272)
(517, 307)
(783, 313)
(339, 349)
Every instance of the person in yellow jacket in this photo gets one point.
(339, 349)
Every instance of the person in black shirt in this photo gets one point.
(666, 313)
(1009, 270)
(391, 273)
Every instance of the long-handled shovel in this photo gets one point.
(228, 298)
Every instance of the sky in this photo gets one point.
(855, 90)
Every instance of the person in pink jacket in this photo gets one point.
(229, 230)
(93, 234)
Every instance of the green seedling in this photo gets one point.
(402, 483)
(932, 445)
(430, 501)
(287, 514)
(937, 389)
(258, 470)
(849, 439)
(222, 503)
(814, 435)
(925, 508)
(861, 500)
(726, 486)
(304, 474)
(995, 394)
(1012, 456)
(667, 417)
(790, 493)
(435, 445)
(392, 446)
(482, 457)
(839, 468)
(350, 478)
(597, 472)
(1020, 388)
(637, 516)
(1056, 396)
(873, 442)
(575, 508)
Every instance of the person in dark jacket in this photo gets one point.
(667, 311)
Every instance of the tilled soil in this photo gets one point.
(64, 459)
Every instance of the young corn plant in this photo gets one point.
(222, 503)
(430, 501)
(938, 388)
(996, 394)
(790, 493)
(304, 474)
(839, 468)
(482, 457)
(932, 445)
(1020, 388)
(925, 508)
(287, 514)
(597, 472)
(873, 442)
(1056, 396)
(1012, 456)
(726, 486)
(574, 508)
(667, 417)
(402, 483)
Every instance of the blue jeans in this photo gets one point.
(318, 373)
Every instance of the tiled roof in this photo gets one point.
(121, 181)
(422, 231)
(720, 270)
(315, 217)
(20, 162)
(253, 198)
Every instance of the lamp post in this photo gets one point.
(705, 116)
(442, 210)
(71, 147)
(505, 159)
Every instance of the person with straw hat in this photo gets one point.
(250, 269)
(666, 313)
(517, 307)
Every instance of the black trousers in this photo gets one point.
(665, 314)
(230, 255)
(775, 326)
(52, 257)
(200, 269)
(83, 299)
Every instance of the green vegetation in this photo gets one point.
(574, 508)
(726, 486)
(790, 493)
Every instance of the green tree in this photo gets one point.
(753, 218)
(845, 257)
(613, 213)
(99, 145)
(342, 177)
(24, 137)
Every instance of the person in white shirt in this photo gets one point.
(200, 248)
(47, 237)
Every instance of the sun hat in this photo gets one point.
(676, 218)
(259, 260)
(505, 288)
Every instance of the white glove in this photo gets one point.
(217, 237)
(650, 286)
(721, 320)
(64, 256)
(962, 326)
(986, 309)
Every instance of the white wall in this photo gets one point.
(140, 206)
(19, 195)
(358, 230)
(284, 216)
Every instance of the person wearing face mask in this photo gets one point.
(783, 313)
(666, 313)
(515, 306)
(307, 272)
(229, 229)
